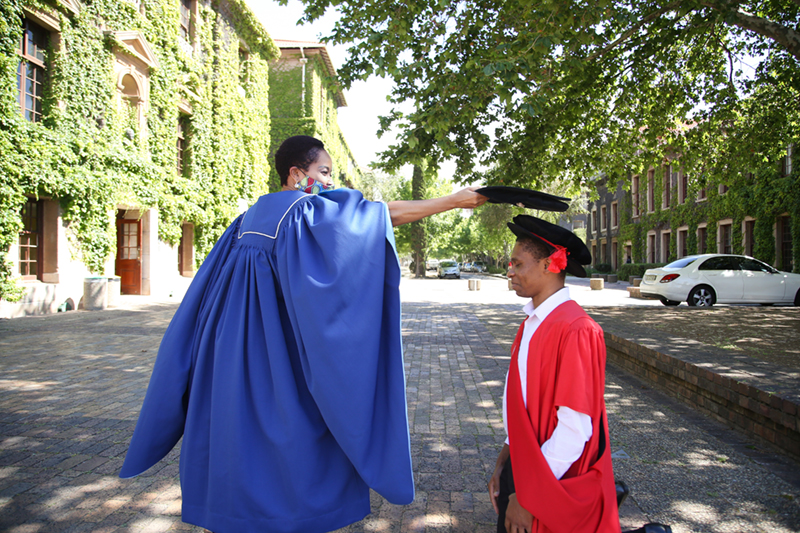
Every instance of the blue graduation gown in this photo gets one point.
(282, 369)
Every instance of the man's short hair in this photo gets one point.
(535, 247)
(538, 249)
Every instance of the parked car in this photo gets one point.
(432, 264)
(448, 268)
(703, 280)
(478, 266)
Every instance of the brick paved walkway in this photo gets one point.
(71, 386)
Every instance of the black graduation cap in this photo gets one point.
(542, 201)
(552, 234)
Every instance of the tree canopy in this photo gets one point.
(539, 90)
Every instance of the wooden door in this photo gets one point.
(129, 256)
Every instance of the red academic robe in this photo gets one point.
(566, 367)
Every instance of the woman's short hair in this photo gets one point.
(299, 151)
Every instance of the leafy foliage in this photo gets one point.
(577, 89)
(543, 92)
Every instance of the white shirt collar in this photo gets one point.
(547, 306)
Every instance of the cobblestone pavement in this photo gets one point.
(71, 386)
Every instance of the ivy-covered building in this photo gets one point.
(304, 101)
(667, 214)
(131, 133)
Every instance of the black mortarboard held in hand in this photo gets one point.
(525, 198)
(569, 251)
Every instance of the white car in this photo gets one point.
(703, 280)
(448, 268)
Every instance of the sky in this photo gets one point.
(366, 101)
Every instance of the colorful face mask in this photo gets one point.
(312, 186)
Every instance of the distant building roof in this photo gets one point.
(315, 48)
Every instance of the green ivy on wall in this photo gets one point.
(89, 153)
(312, 115)
(764, 196)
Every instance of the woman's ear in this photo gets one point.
(293, 179)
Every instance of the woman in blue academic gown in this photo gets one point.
(282, 369)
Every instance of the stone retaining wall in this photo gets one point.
(769, 416)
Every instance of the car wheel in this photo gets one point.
(702, 296)
(670, 302)
(797, 299)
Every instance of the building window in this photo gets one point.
(651, 248)
(594, 227)
(785, 240)
(725, 239)
(186, 20)
(701, 194)
(31, 70)
(683, 188)
(594, 254)
(614, 252)
(665, 257)
(667, 183)
(603, 214)
(635, 197)
(651, 191)
(723, 189)
(131, 100)
(786, 165)
(702, 240)
(244, 57)
(181, 146)
(30, 240)
(614, 215)
(683, 236)
(749, 235)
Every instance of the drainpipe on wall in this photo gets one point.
(303, 61)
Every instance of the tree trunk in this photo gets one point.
(418, 227)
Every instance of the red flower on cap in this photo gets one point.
(558, 259)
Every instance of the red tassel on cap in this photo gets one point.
(558, 260)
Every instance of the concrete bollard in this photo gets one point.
(113, 289)
(471, 284)
(95, 290)
(612, 278)
(637, 282)
(596, 284)
(509, 285)
(477, 284)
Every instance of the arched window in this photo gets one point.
(129, 91)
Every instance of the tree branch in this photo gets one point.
(625, 36)
(788, 38)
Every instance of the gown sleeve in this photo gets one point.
(163, 414)
(339, 274)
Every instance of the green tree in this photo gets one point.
(574, 89)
